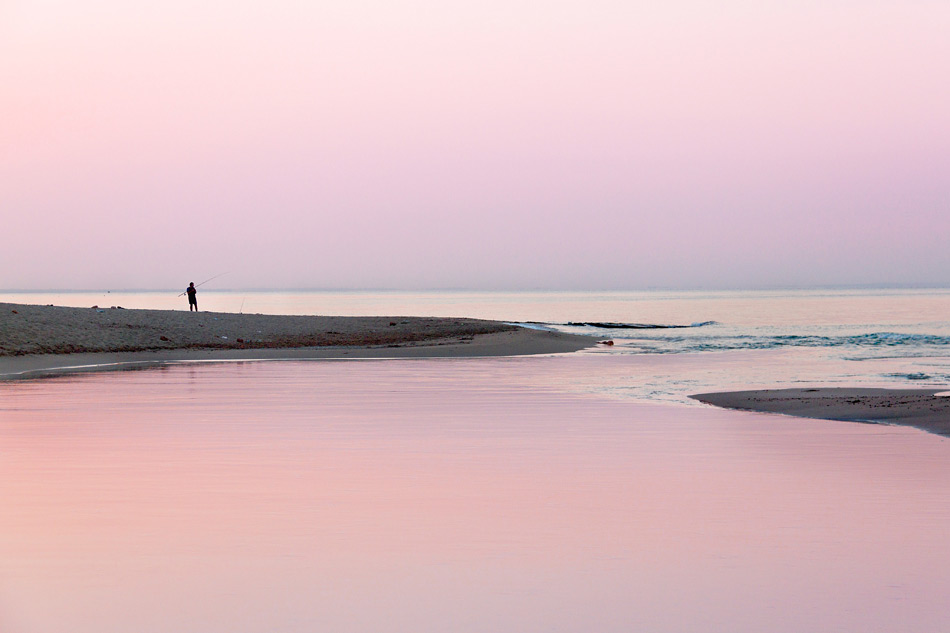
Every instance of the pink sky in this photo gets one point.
(474, 145)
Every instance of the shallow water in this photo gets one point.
(454, 495)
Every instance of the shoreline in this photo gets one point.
(917, 408)
(37, 341)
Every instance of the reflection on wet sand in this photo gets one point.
(448, 495)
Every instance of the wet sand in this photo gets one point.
(918, 408)
(42, 340)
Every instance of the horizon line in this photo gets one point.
(763, 288)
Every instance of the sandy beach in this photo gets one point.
(919, 408)
(42, 340)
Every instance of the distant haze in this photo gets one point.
(494, 144)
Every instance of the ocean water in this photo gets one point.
(579, 492)
(720, 340)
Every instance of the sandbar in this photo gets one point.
(48, 340)
(918, 408)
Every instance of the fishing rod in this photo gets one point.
(206, 281)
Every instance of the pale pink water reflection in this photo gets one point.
(452, 495)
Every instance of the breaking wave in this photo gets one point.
(918, 375)
(749, 341)
(635, 326)
(646, 338)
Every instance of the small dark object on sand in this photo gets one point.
(163, 338)
(606, 342)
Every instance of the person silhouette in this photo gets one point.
(192, 297)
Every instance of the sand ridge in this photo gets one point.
(28, 329)
(919, 408)
(42, 340)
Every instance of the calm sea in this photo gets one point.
(577, 492)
